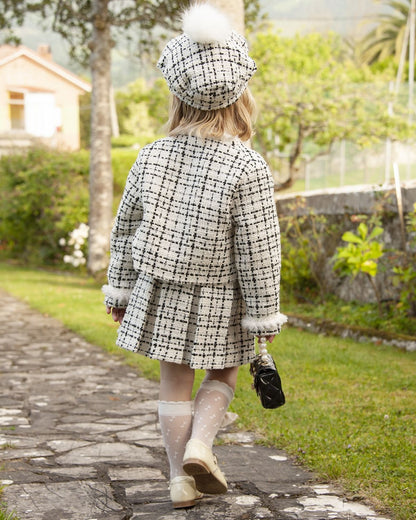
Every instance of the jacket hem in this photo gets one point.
(184, 277)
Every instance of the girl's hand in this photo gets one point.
(117, 314)
(269, 338)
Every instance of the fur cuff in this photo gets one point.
(268, 324)
(119, 297)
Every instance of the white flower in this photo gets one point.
(84, 230)
(76, 239)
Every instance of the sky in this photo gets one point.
(348, 17)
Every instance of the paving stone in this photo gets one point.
(336, 505)
(128, 421)
(116, 452)
(69, 500)
(138, 434)
(19, 442)
(28, 476)
(150, 443)
(62, 445)
(163, 511)
(147, 490)
(247, 438)
(78, 418)
(155, 515)
(17, 453)
(78, 472)
(8, 420)
(79, 441)
(263, 512)
(139, 473)
(92, 427)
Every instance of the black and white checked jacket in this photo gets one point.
(200, 211)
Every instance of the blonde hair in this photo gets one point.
(235, 120)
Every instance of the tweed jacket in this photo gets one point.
(200, 211)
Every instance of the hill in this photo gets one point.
(347, 18)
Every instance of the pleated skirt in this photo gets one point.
(190, 324)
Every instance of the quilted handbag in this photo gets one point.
(266, 379)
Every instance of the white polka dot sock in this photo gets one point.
(211, 403)
(175, 419)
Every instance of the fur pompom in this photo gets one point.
(203, 23)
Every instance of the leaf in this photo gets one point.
(369, 267)
(377, 231)
(362, 230)
(348, 236)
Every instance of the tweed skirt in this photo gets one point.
(190, 324)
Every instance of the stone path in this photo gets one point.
(79, 440)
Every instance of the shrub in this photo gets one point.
(405, 272)
(45, 196)
(306, 237)
(361, 254)
(125, 141)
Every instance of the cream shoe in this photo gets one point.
(183, 492)
(201, 463)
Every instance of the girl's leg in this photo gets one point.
(211, 403)
(175, 412)
(226, 375)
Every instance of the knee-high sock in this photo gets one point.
(175, 419)
(211, 404)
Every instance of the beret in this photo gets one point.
(207, 67)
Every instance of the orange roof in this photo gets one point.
(9, 53)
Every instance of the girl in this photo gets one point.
(195, 252)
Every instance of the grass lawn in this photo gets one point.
(6, 516)
(362, 315)
(351, 407)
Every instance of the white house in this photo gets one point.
(38, 98)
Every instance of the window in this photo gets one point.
(34, 112)
(17, 110)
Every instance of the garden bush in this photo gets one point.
(45, 196)
(315, 247)
(307, 240)
(133, 141)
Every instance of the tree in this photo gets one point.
(142, 108)
(386, 39)
(311, 94)
(235, 11)
(91, 27)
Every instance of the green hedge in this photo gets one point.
(44, 197)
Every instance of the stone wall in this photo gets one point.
(338, 206)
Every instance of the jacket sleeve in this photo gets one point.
(257, 250)
(121, 274)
